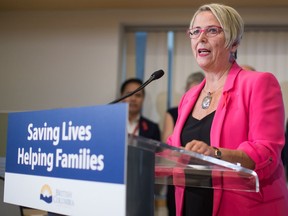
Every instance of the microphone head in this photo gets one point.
(157, 74)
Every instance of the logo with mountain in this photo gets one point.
(46, 194)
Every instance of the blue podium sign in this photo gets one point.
(69, 161)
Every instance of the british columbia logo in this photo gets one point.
(46, 194)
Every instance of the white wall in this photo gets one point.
(72, 58)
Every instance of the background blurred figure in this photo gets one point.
(169, 122)
(138, 124)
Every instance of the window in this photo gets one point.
(168, 48)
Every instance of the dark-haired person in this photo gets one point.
(138, 124)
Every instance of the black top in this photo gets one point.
(174, 113)
(170, 197)
(284, 154)
(197, 201)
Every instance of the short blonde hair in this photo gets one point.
(229, 19)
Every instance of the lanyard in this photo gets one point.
(135, 129)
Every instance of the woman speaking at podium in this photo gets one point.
(234, 115)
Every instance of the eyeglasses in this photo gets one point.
(209, 31)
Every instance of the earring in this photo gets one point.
(231, 58)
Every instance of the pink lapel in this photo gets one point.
(220, 114)
(187, 103)
(217, 125)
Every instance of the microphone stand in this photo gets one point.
(155, 75)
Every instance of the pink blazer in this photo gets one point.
(250, 117)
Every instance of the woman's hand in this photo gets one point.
(200, 147)
(233, 156)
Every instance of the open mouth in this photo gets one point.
(203, 51)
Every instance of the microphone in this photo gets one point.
(156, 75)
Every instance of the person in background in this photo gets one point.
(169, 122)
(234, 115)
(138, 125)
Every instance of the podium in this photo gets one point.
(76, 161)
(169, 165)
